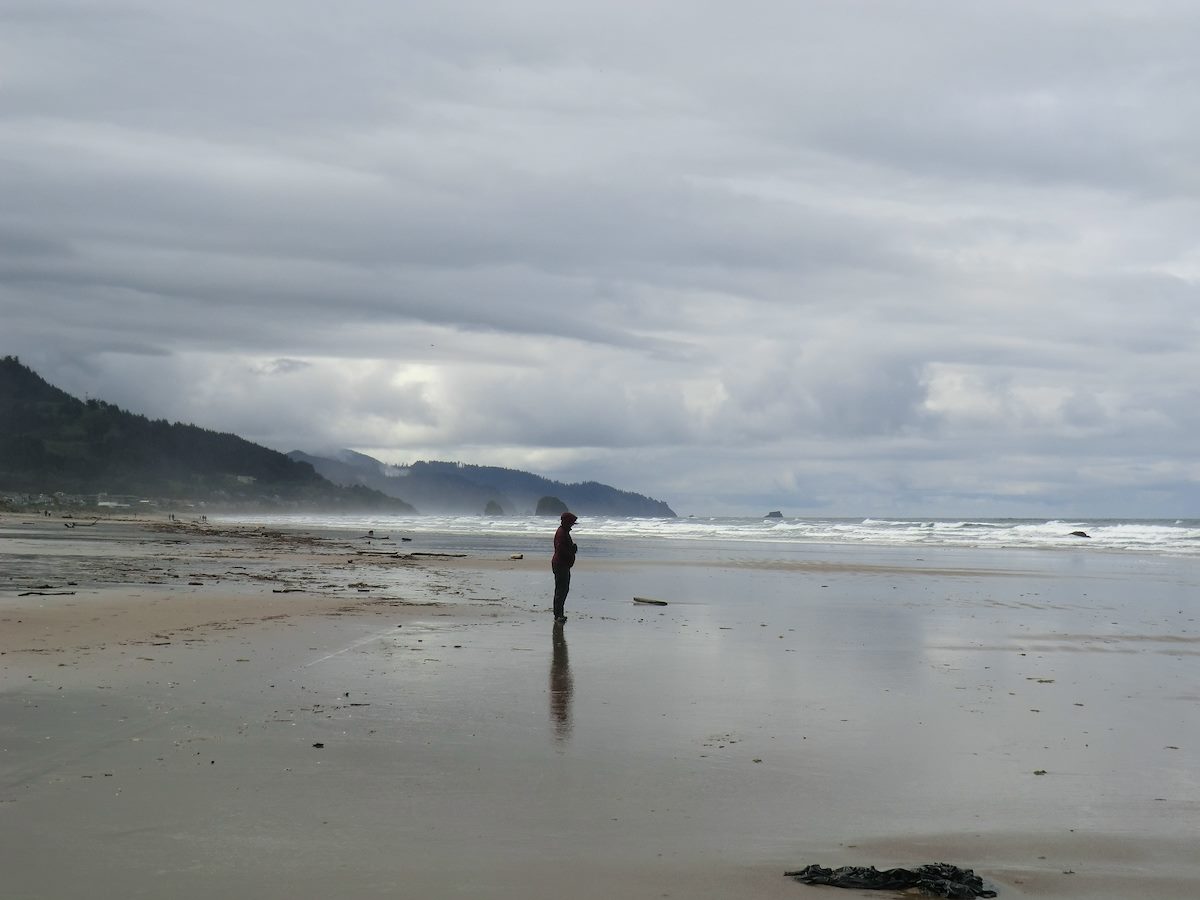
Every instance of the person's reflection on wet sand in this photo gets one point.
(561, 686)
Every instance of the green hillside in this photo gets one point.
(53, 442)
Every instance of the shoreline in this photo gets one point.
(137, 576)
(166, 728)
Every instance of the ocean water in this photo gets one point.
(766, 538)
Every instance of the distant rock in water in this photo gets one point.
(774, 514)
(1080, 534)
(550, 506)
(493, 509)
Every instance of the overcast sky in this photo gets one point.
(857, 258)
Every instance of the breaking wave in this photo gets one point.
(1158, 536)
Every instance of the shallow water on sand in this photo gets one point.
(776, 712)
(764, 711)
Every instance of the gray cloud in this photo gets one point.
(839, 258)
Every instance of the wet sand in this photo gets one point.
(160, 721)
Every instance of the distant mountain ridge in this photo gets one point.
(52, 442)
(451, 487)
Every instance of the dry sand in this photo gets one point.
(190, 711)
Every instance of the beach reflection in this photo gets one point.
(562, 686)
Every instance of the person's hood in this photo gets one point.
(569, 518)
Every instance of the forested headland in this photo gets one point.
(54, 443)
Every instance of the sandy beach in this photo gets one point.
(190, 710)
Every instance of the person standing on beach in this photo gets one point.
(564, 557)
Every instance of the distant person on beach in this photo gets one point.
(564, 557)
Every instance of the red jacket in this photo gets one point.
(564, 548)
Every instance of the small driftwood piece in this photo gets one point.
(47, 594)
(650, 601)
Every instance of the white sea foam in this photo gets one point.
(1160, 536)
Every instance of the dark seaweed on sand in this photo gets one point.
(932, 879)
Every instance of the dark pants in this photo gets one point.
(562, 584)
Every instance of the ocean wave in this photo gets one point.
(1159, 536)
